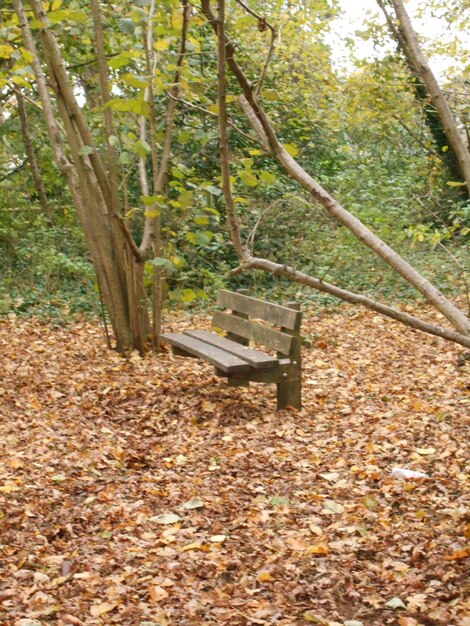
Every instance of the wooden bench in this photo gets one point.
(232, 356)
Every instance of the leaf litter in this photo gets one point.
(146, 491)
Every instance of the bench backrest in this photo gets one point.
(284, 334)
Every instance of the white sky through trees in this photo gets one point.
(356, 15)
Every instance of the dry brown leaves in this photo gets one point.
(148, 492)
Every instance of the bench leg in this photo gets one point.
(289, 393)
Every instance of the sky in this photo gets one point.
(356, 12)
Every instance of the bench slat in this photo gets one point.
(251, 330)
(255, 358)
(267, 311)
(223, 360)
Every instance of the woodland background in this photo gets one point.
(360, 130)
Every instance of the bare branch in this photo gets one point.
(207, 112)
(300, 277)
(262, 25)
(223, 135)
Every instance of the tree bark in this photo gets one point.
(33, 164)
(409, 42)
(117, 262)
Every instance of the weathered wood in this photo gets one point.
(232, 336)
(239, 363)
(289, 393)
(233, 382)
(266, 311)
(222, 360)
(256, 332)
(285, 372)
(255, 358)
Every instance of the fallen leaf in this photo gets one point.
(264, 577)
(318, 550)
(165, 518)
(100, 609)
(194, 546)
(194, 503)
(218, 538)
(395, 603)
(157, 593)
(332, 507)
(425, 451)
(315, 619)
(457, 555)
(370, 502)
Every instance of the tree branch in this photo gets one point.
(332, 206)
(223, 135)
(300, 277)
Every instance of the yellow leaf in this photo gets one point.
(264, 577)
(194, 546)
(320, 549)
(291, 149)
(161, 44)
(56, 4)
(100, 609)
(5, 51)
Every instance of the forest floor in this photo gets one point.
(147, 492)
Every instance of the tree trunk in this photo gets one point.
(117, 262)
(33, 164)
(447, 126)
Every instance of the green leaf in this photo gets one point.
(159, 261)
(66, 14)
(267, 177)
(120, 60)
(141, 147)
(451, 183)
(151, 200)
(135, 81)
(188, 295)
(270, 94)
(185, 198)
(201, 220)
(215, 191)
(132, 105)
(84, 150)
(248, 178)
(126, 26)
(113, 140)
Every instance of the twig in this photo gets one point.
(203, 110)
(250, 240)
(262, 25)
(224, 153)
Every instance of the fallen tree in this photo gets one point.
(251, 105)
